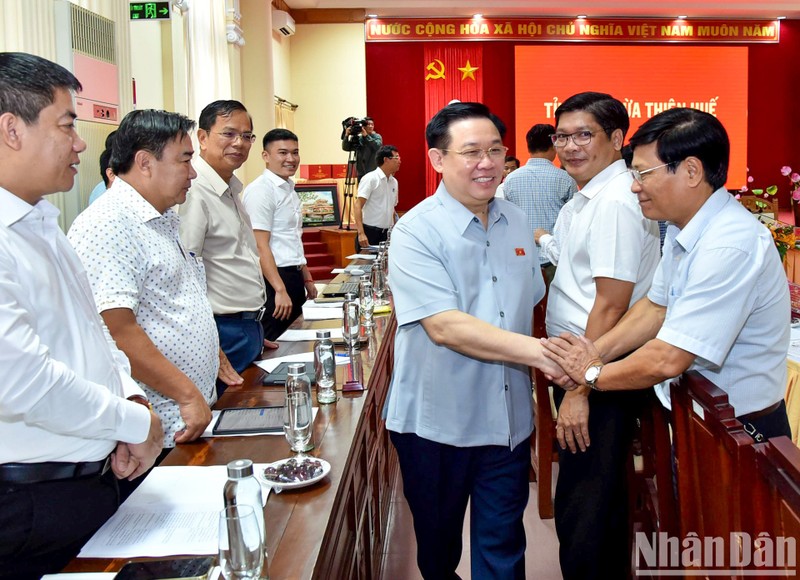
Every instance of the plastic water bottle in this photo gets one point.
(351, 320)
(325, 367)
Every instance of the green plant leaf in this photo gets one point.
(772, 190)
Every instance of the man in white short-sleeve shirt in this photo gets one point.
(373, 211)
(149, 289)
(277, 218)
(719, 303)
(607, 263)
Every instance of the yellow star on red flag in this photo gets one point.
(468, 71)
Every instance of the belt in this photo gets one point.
(758, 414)
(256, 315)
(376, 228)
(291, 268)
(545, 264)
(51, 471)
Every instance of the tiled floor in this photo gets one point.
(399, 558)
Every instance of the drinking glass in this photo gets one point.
(297, 426)
(351, 320)
(241, 549)
(366, 301)
(379, 285)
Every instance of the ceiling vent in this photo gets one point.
(283, 22)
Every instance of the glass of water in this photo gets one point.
(366, 301)
(241, 550)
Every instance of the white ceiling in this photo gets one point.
(722, 9)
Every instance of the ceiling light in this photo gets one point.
(682, 17)
(781, 18)
(477, 16)
(581, 16)
(372, 15)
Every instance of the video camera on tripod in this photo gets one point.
(354, 124)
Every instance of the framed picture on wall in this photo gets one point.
(319, 204)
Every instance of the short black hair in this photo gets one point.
(28, 84)
(148, 130)
(514, 159)
(682, 132)
(609, 112)
(538, 138)
(223, 108)
(437, 133)
(105, 157)
(278, 135)
(385, 152)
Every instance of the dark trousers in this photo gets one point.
(295, 286)
(770, 425)
(591, 501)
(242, 342)
(374, 236)
(44, 525)
(438, 480)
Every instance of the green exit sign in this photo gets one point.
(149, 10)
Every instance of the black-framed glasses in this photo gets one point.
(580, 138)
(475, 155)
(639, 175)
(233, 136)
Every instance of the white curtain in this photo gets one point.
(207, 50)
(284, 115)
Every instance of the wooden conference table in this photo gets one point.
(335, 528)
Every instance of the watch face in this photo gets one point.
(592, 373)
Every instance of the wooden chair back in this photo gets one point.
(778, 468)
(709, 445)
(766, 206)
(543, 443)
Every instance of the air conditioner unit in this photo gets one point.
(283, 22)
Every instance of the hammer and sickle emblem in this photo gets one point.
(437, 72)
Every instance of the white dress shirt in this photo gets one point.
(727, 302)
(550, 244)
(135, 260)
(380, 191)
(274, 207)
(215, 227)
(609, 238)
(62, 397)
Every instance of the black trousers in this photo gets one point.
(374, 236)
(439, 479)
(295, 286)
(591, 501)
(44, 525)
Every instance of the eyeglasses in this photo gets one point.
(639, 175)
(231, 136)
(398, 158)
(475, 155)
(579, 138)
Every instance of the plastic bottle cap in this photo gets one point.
(240, 468)
(350, 296)
(323, 334)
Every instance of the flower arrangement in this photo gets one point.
(794, 183)
(782, 234)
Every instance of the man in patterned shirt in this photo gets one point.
(148, 288)
(540, 188)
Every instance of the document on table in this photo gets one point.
(362, 257)
(316, 313)
(174, 511)
(294, 335)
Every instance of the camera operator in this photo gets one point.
(360, 136)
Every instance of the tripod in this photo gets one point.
(350, 190)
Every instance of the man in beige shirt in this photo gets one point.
(215, 227)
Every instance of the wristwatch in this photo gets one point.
(592, 374)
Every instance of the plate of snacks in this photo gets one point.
(294, 472)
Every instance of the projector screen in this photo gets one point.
(647, 79)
